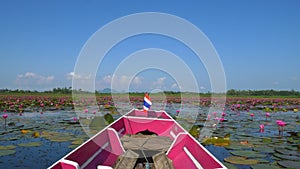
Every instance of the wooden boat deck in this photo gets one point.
(146, 142)
(139, 147)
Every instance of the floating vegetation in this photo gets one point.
(240, 160)
(264, 166)
(108, 118)
(7, 152)
(218, 141)
(286, 157)
(289, 164)
(8, 147)
(248, 154)
(57, 136)
(73, 146)
(78, 141)
(30, 144)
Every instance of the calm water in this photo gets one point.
(56, 136)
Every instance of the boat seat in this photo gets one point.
(127, 160)
(161, 161)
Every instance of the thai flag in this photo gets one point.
(147, 102)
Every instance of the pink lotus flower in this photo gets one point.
(262, 128)
(252, 115)
(4, 116)
(221, 119)
(215, 114)
(86, 110)
(223, 114)
(75, 119)
(281, 125)
(267, 116)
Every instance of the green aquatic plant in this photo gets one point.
(109, 118)
(240, 160)
(30, 144)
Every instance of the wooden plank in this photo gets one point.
(161, 161)
(143, 142)
(127, 160)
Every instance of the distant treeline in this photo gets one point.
(231, 92)
(64, 90)
(283, 93)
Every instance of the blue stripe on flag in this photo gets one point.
(147, 104)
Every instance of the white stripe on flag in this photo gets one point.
(147, 100)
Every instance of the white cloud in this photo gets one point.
(30, 78)
(174, 86)
(275, 83)
(160, 82)
(202, 88)
(120, 83)
(72, 75)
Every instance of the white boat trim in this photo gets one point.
(172, 134)
(120, 131)
(120, 143)
(73, 163)
(174, 141)
(190, 155)
(87, 162)
(148, 118)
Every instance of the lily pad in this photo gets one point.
(9, 147)
(264, 149)
(248, 153)
(57, 136)
(109, 118)
(266, 140)
(240, 160)
(30, 144)
(7, 152)
(73, 146)
(78, 141)
(98, 123)
(286, 157)
(289, 164)
(13, 138)
(231, 166)
(60, 139)
(264, 166)
(236, 146)
(261, 160)
(217, 141)
(288, 152)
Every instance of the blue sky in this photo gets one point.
(258, 42)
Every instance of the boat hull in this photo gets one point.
(105, 147)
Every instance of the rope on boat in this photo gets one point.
(147, 164)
